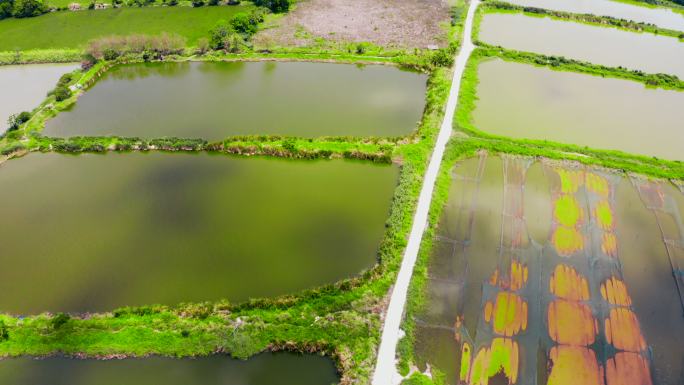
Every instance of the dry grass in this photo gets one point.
(389, 23)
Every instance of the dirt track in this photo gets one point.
(390, 23)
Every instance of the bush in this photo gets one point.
(202, 46)
(442, 58)
(112, 47)
(242, 23)
(4, 333)
(16, 120)
(58, 321)
(197, 3)
(277, 6)
(29, 8)
(62, 93)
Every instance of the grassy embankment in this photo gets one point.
(340, 319)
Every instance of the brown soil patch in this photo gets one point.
(389, 23)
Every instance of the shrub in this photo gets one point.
(58, 321)
(65, 79)
(29, 8)
(202, 45)
(442, 58)
(112, 47)
(16, 120)
(277, 6)
(197, 3)
(62, 93)
(242, 23)
(4, 333)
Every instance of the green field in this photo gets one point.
(74, 29)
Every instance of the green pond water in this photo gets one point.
(95, 232)
(523, 101)
(24, 87)
(218, 100)
(458, 271)
(264, 369)
(607, 46)
(662, 17)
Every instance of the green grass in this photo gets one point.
(74, 29)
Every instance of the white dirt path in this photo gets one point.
(386, 369)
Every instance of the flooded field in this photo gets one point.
(607, 46)
(264, 369)
(95, 232)
(523, 101)
(218, 100)
(554, 273)
(24, 87)
(662, 17)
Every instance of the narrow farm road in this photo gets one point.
(386, 370)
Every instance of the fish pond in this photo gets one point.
(660, 16)
(264, 369)
(554, 273)
(215, 100)
(95, 232)
(524, 101)
(23, 87)
(599, 45)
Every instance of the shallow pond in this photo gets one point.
(216, 100)
(523, 101)
(264, 369)
(607, 46)
(24, 87)
(554, 272)
(662, 17)
(95, 232)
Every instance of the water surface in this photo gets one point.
(264, 369)
(607, 46)
(467, 252)
(96, 232)
(524, 101)
(218, 100)
(24, 87)
(662, 17)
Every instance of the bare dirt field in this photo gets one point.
(389, 23)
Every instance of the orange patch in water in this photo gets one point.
(508, 314)
(516, 280)
(571, 323)
(573, 365)
(623, 331)
(614, 291)
(567, 283)
(609, 244)
(628, 369)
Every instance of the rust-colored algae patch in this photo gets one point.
(597, 184)
(571, 180)
(604, 213)
(466, 352)
(567, 283)
(627, 369)
(567, 211)
(614, 291)
(517, 278)
(623, 331)
(571, 323)
(573, 365)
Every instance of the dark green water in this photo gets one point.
(218, 100)
(265, 369)
(96, 232)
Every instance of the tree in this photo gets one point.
(242, 23)
(6, 8)
(29, 8)
(218, 34)
(277, 6)
(62, 93)
(16, 120)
